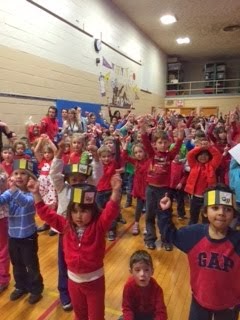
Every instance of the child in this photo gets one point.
(44, 153)
(203, 161)
(4, 255)
(19, 148)
(213, 251)
(23, 244)
(7, 159)
(142, 295)
(77, 144)
(141, 163)
(158, 182)
(73, 175)
(83, 244)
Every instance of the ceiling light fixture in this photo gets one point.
(168, 19)
(185, 40)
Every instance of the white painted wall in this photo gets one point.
(27, 28)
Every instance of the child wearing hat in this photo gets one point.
(84, 243)
(213, 251)
(22, 231)
(63, 177)
(203, 161)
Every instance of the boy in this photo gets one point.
(213, 251)
(142, 296)
(158, 180)
(23, 243)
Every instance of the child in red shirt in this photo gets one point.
(84, 243)
(7, 159)
(77, 146)
(142, 295)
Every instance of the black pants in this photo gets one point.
(179, 196)
(24, 258)
(102, 199)
(199, 313)
(196, 204)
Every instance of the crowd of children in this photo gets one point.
(74, 177)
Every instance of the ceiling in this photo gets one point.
(201, 20)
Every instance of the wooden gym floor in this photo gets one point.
(171, 272)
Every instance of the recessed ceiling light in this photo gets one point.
(183, 40)
(168, 19)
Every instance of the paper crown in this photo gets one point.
(78, 168)
(83, 194)
(217, 197)
(24, 164)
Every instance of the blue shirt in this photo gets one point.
(21, 220)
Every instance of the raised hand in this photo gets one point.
(33, 185)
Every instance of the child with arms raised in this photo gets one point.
(83, 244)
(213, 251)
(23, 242)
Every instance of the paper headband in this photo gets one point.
(78, 168)
(24, 164)
(83, 194)
(213, 197)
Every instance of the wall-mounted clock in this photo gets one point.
(97, 45)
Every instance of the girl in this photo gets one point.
(83, 244)
(77, 145)
(141, 163)
(44, 153)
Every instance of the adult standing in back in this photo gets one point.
(49, 124)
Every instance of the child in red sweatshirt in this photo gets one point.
(142, 295)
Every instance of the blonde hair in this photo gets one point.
(103, 149)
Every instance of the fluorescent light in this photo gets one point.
(183, 40)
(168, 19)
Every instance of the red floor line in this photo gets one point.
(57, 302)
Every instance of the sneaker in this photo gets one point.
(111, 235)
(168, 246)
(34, 298)
(67, 306)
(16, 294)
(150, 246)
(3, 287)
(135, 229)
(144, 231)
(44, 227)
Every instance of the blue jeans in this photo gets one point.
(153, 210)
(139, 208)
(196, 204)
(197, 312)
(62, 274)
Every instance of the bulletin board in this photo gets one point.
(85, 106)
